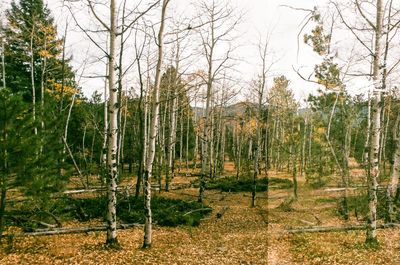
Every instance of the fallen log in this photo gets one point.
(69, 230)
(198, 210)
(222, 211)
(322, 229)
(339, 189)
(82, 191)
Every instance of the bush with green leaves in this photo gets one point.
(359, 206)
(166, 212)
(232, 184)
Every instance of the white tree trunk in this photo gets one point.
(3, 65)
(32, 68)
(375, 129)
(103, 158)
(112, 135)
(394, 174)
(155, 105)
(171, 139)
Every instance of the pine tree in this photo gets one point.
(37, 70)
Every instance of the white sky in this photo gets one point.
(261, 17)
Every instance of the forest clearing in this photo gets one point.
(199, 132)
(239, 236)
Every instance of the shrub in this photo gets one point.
(233, 185)
(359, 205)
(166, 212)
(246, 184)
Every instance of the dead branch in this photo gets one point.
(198, 210)
(70, 230)
(222, 211)
(323, 229)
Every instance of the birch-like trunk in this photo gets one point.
(155, 106)
(204, 142)
(32, 68)
(171, 139)
(42, 88)
(373, 158)
(122, 139)
(222, 152)
(103, 158)
(239, 153)
(3, 65)
(180, 140)
(394, 174)
(303, 149)
(112, 135)
(187, 137)
(258, 145)
(142, 115)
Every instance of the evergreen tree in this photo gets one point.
(37, 71)
(31, 35)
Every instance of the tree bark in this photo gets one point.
(394, 174)
(32, 68)
(155, 105)
(375, 130)
(321, 229)
(3, 65)
(112, 135)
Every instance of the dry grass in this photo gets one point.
(241, 236)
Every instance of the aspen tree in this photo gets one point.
(153, 129)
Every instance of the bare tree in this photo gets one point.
(220, 21)
(153, 129)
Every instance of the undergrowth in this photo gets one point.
(358, 205)
(166, 212)
(231, 184)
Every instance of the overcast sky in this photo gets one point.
(261, 17)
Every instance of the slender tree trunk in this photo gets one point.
(171, 139)
(206, 130)
(375, 130)
(303, 149)
(368, 136)
(68, 119)
(32, 68)
(180, 140)
(250, 150)
(120, 88)
(239, 153)
(42, 89)
(384, 138)
(142, 117)
(258, 145)
(187, 137)
(267, 155)
(112, 135)
(153, 133)
(92, 150)
(122, 139)
(3, 65)
(394, 174)
(222, 152)
(103, 158)
(211, 140)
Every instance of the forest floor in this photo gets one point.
(243, 235)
